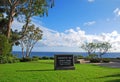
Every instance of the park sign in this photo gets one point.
(64, 62)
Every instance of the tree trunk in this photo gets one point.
(10, 20)
(23, 52)
(100, 57)
(11, 13)
(9, 28)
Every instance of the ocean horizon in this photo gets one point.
(51, 54)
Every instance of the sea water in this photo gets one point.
(51, 54)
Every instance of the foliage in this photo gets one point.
(51, 58)
(3, 59)
(89, 47)
(80, 57)
(35, 58)
(45, 57)
(106, 60)
(5, 51)
(43, 71)
(99, 48)
(91, 56)
(118, 58)
(25, 8)
(26, 59)
(5, 46)
(102, 48)
(3, 26)
(8, 59)
(95, 60)
(31, 37)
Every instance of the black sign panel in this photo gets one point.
(64, 62)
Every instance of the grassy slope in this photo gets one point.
(43, 71)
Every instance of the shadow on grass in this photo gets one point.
(46, 62)
(116, 80)
(114, 75)
(35, 70)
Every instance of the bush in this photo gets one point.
(80, 57)
(5, 46)
(118, 58)
(51, 58)
(16, 60)
(45, 57)
(27, 59)
(95, 60)
(91, 57)
(106, 60)
(3, 59)
(9, 59)
(12, 58)
(35, 58)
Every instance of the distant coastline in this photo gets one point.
(51, 54)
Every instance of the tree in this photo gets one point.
(103, 48)
(10, 9)
(99, 48)
(31, 37)
(89, 47)
(26, 8)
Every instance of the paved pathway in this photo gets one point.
(111, 64)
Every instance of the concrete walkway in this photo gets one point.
(114, 64)
(111, 64)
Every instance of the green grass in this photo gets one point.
(43, 71)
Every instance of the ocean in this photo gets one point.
(51, 54)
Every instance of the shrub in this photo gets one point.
(45, 57)
(5, 46)
(8, 59)
(75, 59)
(51, 58)
(35, 58)
(95, 60)
(27, 59)
(80, 57)
(16, 60)
(91, 57)
(118, 58)
(3, 59)
(40, 58)
(106, 60)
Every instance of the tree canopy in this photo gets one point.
(31, 37)
(99, 48)
(28, 8)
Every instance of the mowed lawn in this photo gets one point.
(43, 71)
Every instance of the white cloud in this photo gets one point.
(89, 23)
(91, 0)
(117, 12)
(73, 38)
(76, 37)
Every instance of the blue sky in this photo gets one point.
(72, 22)
(72, 13)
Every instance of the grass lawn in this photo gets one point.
(43, 71)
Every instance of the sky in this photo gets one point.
(70, 23)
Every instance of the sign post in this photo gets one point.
(64, 62)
